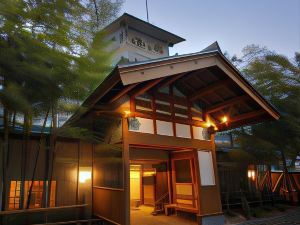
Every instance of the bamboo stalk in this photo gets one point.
(52, 152)
(24, 158)
(5, 158)
(36, 159)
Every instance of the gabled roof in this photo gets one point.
(144, 27)
(206, 77)
(213, 47)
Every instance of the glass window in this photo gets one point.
(196, 112)
(183, 171)
(14, 195)
(144, 103)
(163, 107)
(181, 111)
(108, 156)
(36, 194)
(165, 90)
(177, 92)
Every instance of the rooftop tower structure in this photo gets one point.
(135, 40)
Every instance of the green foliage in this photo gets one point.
(102, 12)
(278, 79)
(46, 62)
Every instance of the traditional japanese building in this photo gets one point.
(155, 118)
(153, 121)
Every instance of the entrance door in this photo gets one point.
(183, 180)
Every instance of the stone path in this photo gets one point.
(290, 218)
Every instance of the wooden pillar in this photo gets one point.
(198, 181)
(126, 172)
(214, 156)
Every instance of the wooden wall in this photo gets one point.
(109, 204)
(69, 155)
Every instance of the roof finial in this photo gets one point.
(147, 11)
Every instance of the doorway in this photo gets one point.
(185, 194)
(154, 185)
(148, 185)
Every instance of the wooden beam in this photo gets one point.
(244, 119)
(169, 119)
(226, 103)
(123, 92)
(209, 89)
(171, 80)
(146, 87)
(192, 73)
(248, 115)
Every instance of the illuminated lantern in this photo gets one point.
(251, 172)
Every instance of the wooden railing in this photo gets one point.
(37, 210)
(159, 203)
(73, 214)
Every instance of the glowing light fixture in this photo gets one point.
(251, 174)
(127, 113)
(84, 174)
(208, 124)
(224, 119)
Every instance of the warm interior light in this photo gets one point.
(149, 173)
(84, 175)
(251, 174)
(208, 124)
(224, 119)
(127, 112)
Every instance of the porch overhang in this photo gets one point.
(207, 78)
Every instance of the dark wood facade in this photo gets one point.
(175, 106)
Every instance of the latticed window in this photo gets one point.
(196, 112)
(163, 107)
(181, 111)
(167, 104)
(144, 103)
(14, 194)
(36, 194)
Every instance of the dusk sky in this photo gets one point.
(233, 23)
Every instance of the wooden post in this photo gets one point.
(77, 183)
(126, 172)
(198, 181)
(216, 168)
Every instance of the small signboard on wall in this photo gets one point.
(206, 168)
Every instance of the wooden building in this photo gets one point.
(153, 124)
(155, 121)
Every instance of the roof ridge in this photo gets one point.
(213, 47)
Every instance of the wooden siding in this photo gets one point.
(109, 204)
(68, 156)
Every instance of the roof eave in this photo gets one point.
(175, 38)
